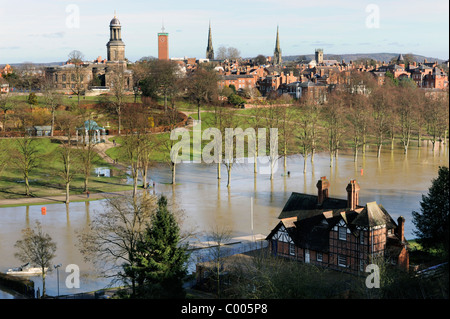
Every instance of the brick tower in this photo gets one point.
(163, 45)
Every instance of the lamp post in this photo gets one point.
(57, 275)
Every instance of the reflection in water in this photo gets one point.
(395, 181)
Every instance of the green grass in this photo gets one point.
(45, 180)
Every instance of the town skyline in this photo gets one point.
(47, 31)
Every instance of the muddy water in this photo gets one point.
(394, 180)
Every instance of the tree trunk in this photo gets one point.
(173, 172)
(86, 182)
(144, 176)
(43, 282)
(27, 186)
(305, 157)
(165, 103)
(67, 192)
(53, 122)
(364, 144)
(218, 171)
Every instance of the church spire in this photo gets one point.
(209, 48)
(277, 52)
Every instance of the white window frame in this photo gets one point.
(339, 260)
(340, 230)
(291, 249)
(319, 256)
(361, 265)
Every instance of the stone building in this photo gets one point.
(97, 74)
(339, 234)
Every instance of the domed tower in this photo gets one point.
(115, 46)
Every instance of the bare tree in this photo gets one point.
(202, 87)
(51, 100)
(26, 158)
(37, 248)
(334, 113)
(5, 106)
(437, 108)
(217, 238)
(406, 98)
(86, 148)
(228, 53)
(170, 145)
(305, 116)
(380, 102)
(118, 90)
(358, 117)
(76, 58)
(110, 239)
(67, 153)
(419, 112)
(4, 155)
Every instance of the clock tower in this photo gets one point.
(115, 46)
(163, 45)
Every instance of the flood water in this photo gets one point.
(396, 181)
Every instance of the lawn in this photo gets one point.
(45, 179)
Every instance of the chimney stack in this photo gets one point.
(322, 189)
(401, 228)
(352, 194)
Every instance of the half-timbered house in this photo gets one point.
(336, 233)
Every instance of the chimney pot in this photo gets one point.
(401, 228)
(322, 189)
(352, 194)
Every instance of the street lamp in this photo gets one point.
(57, 275)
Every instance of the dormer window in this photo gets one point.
(342, 233)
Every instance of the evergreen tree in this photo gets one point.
(432, 221)
(162, 259)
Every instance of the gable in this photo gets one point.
(282, 235)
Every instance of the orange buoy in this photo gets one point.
(362, 172)
(44, 210)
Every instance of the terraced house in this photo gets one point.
(336, 233)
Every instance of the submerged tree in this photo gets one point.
(110, 240)
(36, 248)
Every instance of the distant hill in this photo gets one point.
(365, 56)
(15, 65)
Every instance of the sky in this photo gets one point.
(48, 30)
